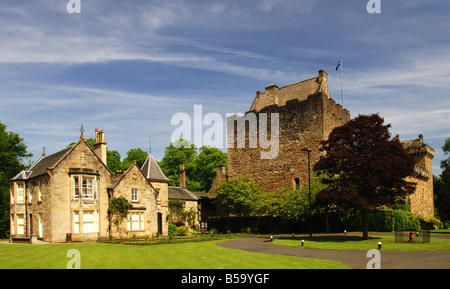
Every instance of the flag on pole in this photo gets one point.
(339, 64)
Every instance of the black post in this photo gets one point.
(309, 191)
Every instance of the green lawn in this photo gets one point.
(198, 255)
(354, 242)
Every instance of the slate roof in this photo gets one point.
(152, 171)
(41, 165)
(180, 193)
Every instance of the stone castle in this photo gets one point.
(307, 115)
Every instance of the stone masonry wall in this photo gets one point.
(302, 124)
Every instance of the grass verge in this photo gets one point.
(193, 255)
(355, 242)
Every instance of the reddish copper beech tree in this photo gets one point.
(367, 169)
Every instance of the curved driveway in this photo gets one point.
(354, 259)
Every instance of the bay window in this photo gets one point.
(84, 187)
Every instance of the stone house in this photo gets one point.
(65, 196)
(201, 203)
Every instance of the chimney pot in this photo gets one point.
(100, 145)
(271, 86)
(182, 176)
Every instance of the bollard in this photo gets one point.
(379, 245)
(303, 242)
(271, 238)
(345, 232)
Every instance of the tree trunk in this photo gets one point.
(327, 226)
(365, 225)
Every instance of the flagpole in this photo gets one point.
(342, 83)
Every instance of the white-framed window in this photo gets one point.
(76, 187)
(88, 188)
(76, 222)
(134, 195)
(88, 222)
(40, 224)
(20, 193)
(84, 187)
(135, 221)
(20, 224)
(30, 195)
(39, 191)
(158, 195)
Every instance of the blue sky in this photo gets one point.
(128, 66)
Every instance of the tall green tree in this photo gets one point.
(13, 152)
(113, 161)
(200, 164)
(206, 165)
(238, 196)
(137, 154)
(366, 168)
(180, 152)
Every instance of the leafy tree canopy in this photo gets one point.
(200, 164)
(13, 152)
(366, 168)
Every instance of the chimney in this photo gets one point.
(220, 172)
(100, 145)
(182, 175)
(272, 94)
(323, 82)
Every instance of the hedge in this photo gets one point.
(384, 220)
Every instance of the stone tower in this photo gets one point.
(422, 203)
(306, 115)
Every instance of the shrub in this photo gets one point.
(173, 230)
(183, 230)
(415, 223)
(430, 223)
(401, 221)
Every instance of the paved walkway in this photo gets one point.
(354, 259)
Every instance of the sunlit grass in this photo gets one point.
(355, 242)
(200, 255)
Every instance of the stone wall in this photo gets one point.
(302, 124)
(422, 200)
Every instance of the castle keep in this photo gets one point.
(307, 114)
